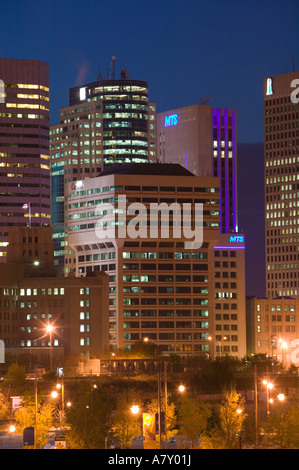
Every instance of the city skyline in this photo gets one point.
(149, 226)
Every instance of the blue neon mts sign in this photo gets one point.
(171, 120)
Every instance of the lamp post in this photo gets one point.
(269, 387)
(35, 409)
(53, 395)
(284, 346)
(50, 329)
(146, 340)
(219, 341)
(239, 411)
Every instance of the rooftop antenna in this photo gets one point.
(112, 63)
(123, 73)
(99, 74)
(204, 100)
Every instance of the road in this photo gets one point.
(11, 442)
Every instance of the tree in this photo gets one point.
(125, 424)
(5, 406)
(193, 418)
(16, 373)
(25, 417)
(227, 433)
(89, 418)
(282, 427)
(232, 417)
(171, 419)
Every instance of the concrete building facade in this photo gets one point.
(273, 328)
(159, 289)
(33, 298)
(203, 140)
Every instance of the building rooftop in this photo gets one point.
(165, 169)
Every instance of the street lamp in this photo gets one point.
(49, 330)
(135, 409)
(269, 386)
(284, 346)
(281, 396)
(181, 388)
(147, 340)
(219, 341)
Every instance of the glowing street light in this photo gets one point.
(135, 409)
(281, 396)
(219, 341)
(50, 329)
(181, 388)
(269, 386)
(284, 347)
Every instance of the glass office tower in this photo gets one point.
(107, 122)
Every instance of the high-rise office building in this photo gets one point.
(107, 122)
(175, 295)
(24, 146)
(203, 140)
(281, 150)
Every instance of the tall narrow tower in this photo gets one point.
(24, 146)
(281, 157)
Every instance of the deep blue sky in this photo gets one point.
(185, 49)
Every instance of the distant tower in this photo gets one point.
(24, 145)
(107, 122)
(281, 157)
(203, 139)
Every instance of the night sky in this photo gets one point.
(186, 50)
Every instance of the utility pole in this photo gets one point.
(35, 410)
(165, 408)
(255, 405)
(159, 404)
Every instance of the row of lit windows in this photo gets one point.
(162, 278)
(29, 86)
(48, 291)
(165, 313)
(145, 189)
(164, 255)
(23, 116)
(277, 308)
(166, 324)
(164, 290)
